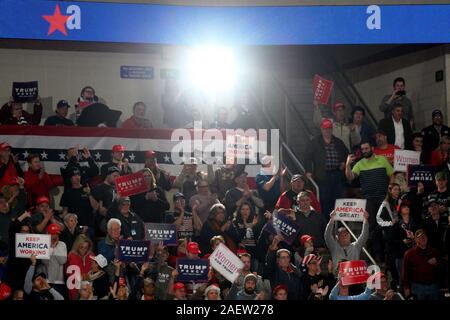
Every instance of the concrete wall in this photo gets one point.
(375, 80)
(62, 74)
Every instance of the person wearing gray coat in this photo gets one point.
(340, 246)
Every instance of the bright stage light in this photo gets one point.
(211, 68)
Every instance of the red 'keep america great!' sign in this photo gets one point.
(131, 184)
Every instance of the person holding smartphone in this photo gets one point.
(398, 95)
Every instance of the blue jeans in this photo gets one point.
(330, 190)
(425, 291)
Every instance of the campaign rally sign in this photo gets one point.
(353, 272)
(241, 148)
(350, 209)
(25, 91)
(131, 184)
(403, 158)
(420, 173)
(28, 244)
(322, 89)
(192, 270)
(224, 261)
(136, 72)
(282, 225)
(133, 250)
(165, 232)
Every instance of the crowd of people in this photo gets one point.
(404, 228)
(180, 110)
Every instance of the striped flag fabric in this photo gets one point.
(52, 143)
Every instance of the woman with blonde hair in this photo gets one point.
(86, 291)
(79, 260)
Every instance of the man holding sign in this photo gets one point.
(340, 245)
(13, 113)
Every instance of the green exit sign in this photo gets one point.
(170, 74)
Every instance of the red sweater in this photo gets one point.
(7, 172)
(417, 269)
(131, 123)
(83, 264)
(36, 187)
(438, 157)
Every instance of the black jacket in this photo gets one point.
(150, 211)
(398, 246)
(315, 156)
(387, 125)
(31, 118)
(278, 276)
(435, 232)
(431, 137)
(132, 226)
(87, 172)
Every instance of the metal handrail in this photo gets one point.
(291, 106)
(284, 145)
(352, 90)
(298, 163)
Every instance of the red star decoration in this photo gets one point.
(57, 22)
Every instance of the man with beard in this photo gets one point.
(374, 174)
(248, 292)
(433, 133)
(383, 148)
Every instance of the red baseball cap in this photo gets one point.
(5, 291)
(42, 199)
(241, 251)
(118, 148)
(338, 105)
(305, 238)
(192, 247)
(4, 145)
(150, 154)
(326, 123)
(53, 229)
(14, 181)
(178, 285)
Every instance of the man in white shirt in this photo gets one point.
(398, 129)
